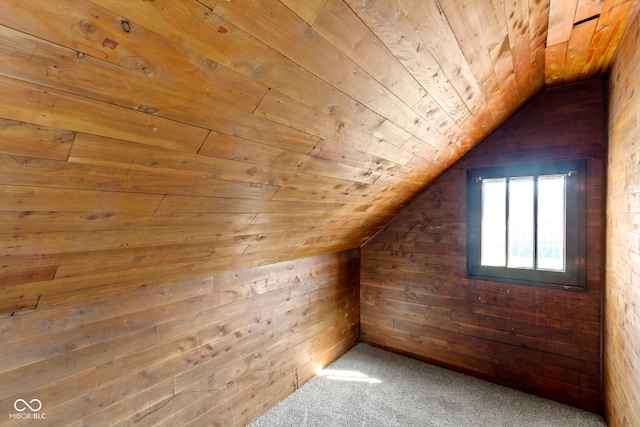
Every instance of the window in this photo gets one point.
(526, 223)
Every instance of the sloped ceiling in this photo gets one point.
(154, 140)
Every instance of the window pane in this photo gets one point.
(493, 234)
(521, 222)
(551, 222)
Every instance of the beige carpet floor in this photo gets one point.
(370, 387)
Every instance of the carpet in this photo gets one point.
(371, 387)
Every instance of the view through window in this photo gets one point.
(526, 222)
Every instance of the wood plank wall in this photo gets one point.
(416, 298)
(218, 350)
(622, 298)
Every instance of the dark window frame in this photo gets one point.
(574, 276)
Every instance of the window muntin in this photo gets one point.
(526, 223)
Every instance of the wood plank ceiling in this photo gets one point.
(148, 141)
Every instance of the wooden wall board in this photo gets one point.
(621, 344)
(114, 359)
(62, 318)
(416, 296)
(41, 373)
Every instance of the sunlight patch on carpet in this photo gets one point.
(344, 375)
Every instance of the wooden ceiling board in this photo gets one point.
(55, 201)
(343, 28)
(307, 10)
(578, 48)
(26, 139)
(144, 141)
(588, 9)
(593, 33)
(615, 16)
(395, 30)
(316, 54)
(555, 57)
(230, 147)
(452, 33)
(519, 28)
(66, 110)
(539, 26)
